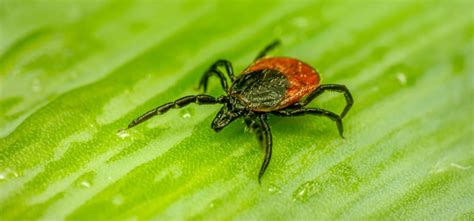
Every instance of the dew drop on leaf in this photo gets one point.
(273, 189)
(401, 77)
(186, 115)
(306, 190)
(8, 173)
(300, 194)
(211, 205)
(86, 184)
(123, 134)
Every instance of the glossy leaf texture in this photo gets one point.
(74, 72)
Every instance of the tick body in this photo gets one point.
(279, 81)
(277, 85)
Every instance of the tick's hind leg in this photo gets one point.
(332, 87)
(199, 99)
(269, 47)
(260, 127)
(313, 111)
(214, 69)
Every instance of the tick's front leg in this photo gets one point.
(214, 69)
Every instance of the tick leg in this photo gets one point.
(313, 111)
(266, 141)
(332, 87)
(214, 69)
(199, 99)
(296, 105)
(264, 136)
(269, 47)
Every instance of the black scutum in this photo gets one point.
(261, 89)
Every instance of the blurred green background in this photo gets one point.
(73, 72)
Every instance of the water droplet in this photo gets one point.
(402, 78)
(85, 184)
(302, 192)
(8, 173)
(117, 200)
(273, 189)
(307, 190)
(123, 133)
(211, 205)
(186, 115)
(36, 85)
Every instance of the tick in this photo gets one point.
(280, 86)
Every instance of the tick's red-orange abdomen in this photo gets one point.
(302, 78)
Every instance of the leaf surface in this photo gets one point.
(72, 74)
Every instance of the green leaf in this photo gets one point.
(73, 73)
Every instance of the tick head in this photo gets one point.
(233, 108)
